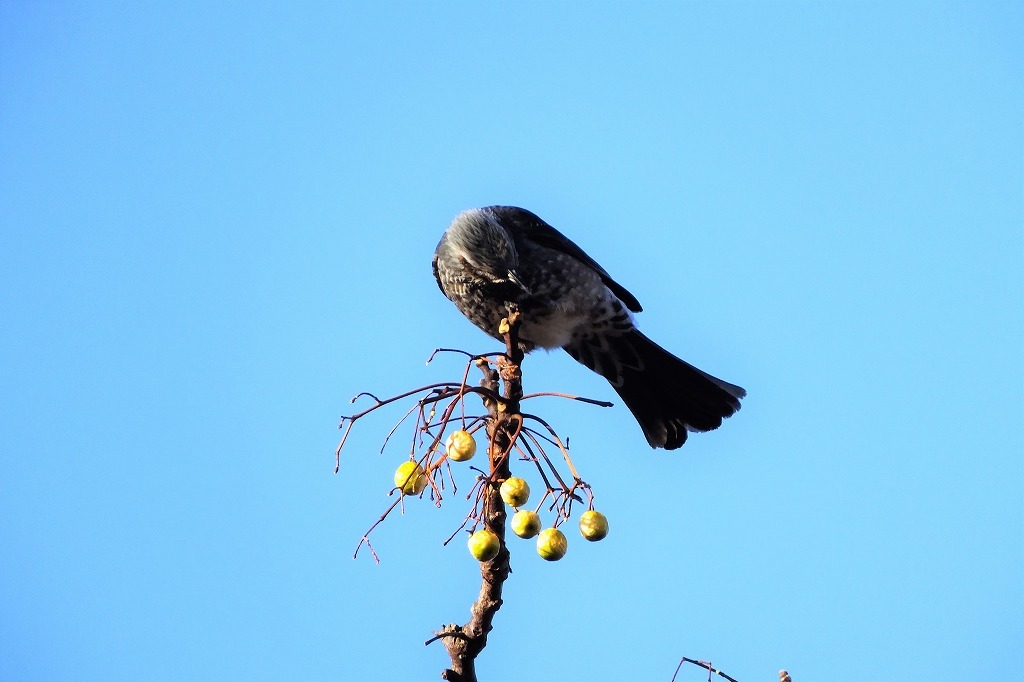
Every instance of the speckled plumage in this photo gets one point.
(490, 257)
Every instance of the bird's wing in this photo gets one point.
(541, 233)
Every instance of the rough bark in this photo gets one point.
(465, 642)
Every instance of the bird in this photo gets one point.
(492, 257)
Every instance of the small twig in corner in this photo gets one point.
(702, 664)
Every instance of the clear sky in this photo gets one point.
(216, 225)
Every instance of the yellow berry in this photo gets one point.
(593, 525)
(551, 544)
(410, 478)
(461, 446)
(515, 492)
(526, 523)
(484, 545)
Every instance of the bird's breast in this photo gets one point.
(551, 328)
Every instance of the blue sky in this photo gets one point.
(217, 223)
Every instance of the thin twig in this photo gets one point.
(366, 535)
(553, 394)
(702, 664)
(565, 453)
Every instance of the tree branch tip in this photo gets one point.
(366, 393)
(451, 630)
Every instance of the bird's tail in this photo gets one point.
(667, 396)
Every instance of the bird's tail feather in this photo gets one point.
(668, 396)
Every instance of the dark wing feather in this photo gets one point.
(543, 234)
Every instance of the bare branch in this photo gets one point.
(366, 536)
(702, 664)
(565, 453)
(567, 396)
(464, 643)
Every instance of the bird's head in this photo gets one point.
(477, 236)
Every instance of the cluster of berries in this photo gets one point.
(484, 544)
